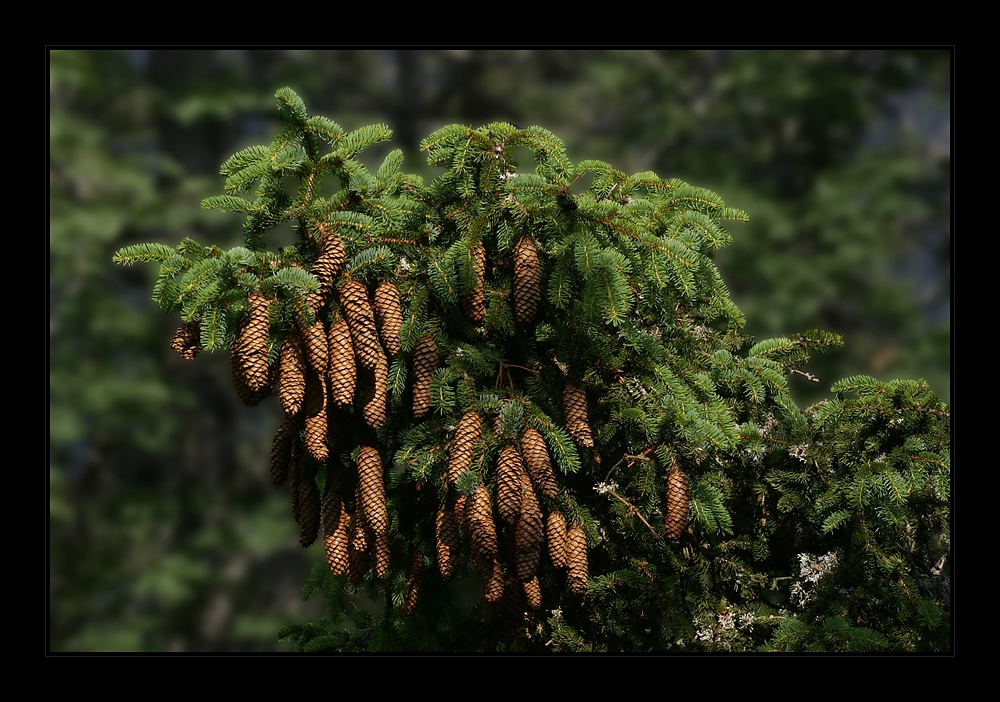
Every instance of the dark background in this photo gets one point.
(164, 531)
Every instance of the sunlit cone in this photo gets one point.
(291, 374)
(463, 444)
(575, 410)
(361, 321)
(381, 555)
(536, 457)
(314, 339)
(446, 543)
(460, 514)
(336, 523)
(414, 576)
(187, 340)
(425, 361)
(576, 559)
(555, 537)
(330, 260)
(509, 472)
(390, 316)
(527, 280)
(248, 396)
(281, 451)
(678, 507)
(372, 490)
(343, 369)
(533, 593)
(250, 345)
(474, 303)
(529, 532)
(358, 549)
(314, 411)
(482, 528)
(375, 393)
(493, 584)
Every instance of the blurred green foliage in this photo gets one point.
(165, 534)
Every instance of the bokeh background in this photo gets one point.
(165, 534)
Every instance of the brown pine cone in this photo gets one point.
(536, 457)
(425, 361)
(414, 576)
(358, 548)
(250, 345)
(314, 411)
(390, 316)
(555, 537)
(187, 340)
(575, 410)
(375, 393)
(678, 503)
(527, 280)
(343, 370)
(315, 344)
(493, 583)
(446, 543)
(308, 510)
(533, 593)
(335, 530)
(381, 555)
(474, 303)
(463, 444)
(291, 374)
(372, 490)
(509, 472)
(248, 396)
(361, 322)
(528, 533)
(482, 530)
(330, 260)
(576, 559)
(281, 451)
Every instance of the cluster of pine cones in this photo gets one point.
(340, 360)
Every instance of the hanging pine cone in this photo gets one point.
(281, 451)
(575, 411)
(187, 340)
(250, 345)
(678, 507)
(576, 559)
(536, 457)
(381, 555)
(375, 393)
(482, 529)
(309, 511)
(390, 316)
(446, 543)
(358, 549)
(315, 344)
(533, 593)
(291, 374)
(425, 361)
(343, 369)
(331, 259)
(372, 490)
(528, 533)
(527, 280)
(470, 427)
(414, 576)
(336, 523)
(493, 584)
(314, 411)
(509, 472)
(555, 537)
(248, 396)
(361, 322)
(474, 303)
